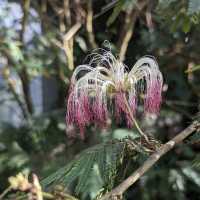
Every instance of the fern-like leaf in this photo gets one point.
(107, 156)
(195, 138)
(86, 172)
(196, 162)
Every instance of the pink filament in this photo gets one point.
(122, 110)
(153, 97)
(99, 111)
(82, 111)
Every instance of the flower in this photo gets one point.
(104, 87)
(19, 182)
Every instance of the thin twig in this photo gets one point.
(68, 48)
(121, 188)
(134, 120)
(68, 40)
(127, 29)
(25, 7)
(67, 12)
(148, 15)
(89, 25)
(5, 192)
(6, 76)
(15, 94)
(72, 31)
(23, 74)
(106, 8)
(181, 103)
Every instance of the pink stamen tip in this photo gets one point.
(153, 99)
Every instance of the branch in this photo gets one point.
(68, 43)
(12, 89)
(25, 7)
(6, 76)
(89, 26)
(133, 119)
(23, 74)
(106, 8)
(120, 189)
(148, 15)
(127, 29)
(72, 31)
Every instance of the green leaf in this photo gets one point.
(195, 68)
(177, 22)
(123, 133)
(107, 157)
(196, 162)
(195, 18)
(116, 11)
(192, 175)
(186, 25)
(122, 5)
(165, 3)
(15, 50)
(85, 174)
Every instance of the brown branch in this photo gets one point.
(126, 33)
(148, 15)
(6, 74)
(68, 43)
(43, 16)
(127, 29)
(25, 7)
(64, 15)
(67, 12)
(23, 73)
(121, 188)
(68, 48)
(89, 26)
(26, 89)
(106, 8)
(72, 31)
(68, 40)
(11, 86)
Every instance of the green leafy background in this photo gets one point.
(87, 169)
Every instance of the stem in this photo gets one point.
(68, 197)
(139, 129)
(5, 192)
(128, 28)
(121, 188)
(48, 195)
(16, 95)
(23, 74)
(89, 26)
(133, 119)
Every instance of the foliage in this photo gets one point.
(107, 157)
(168, 30)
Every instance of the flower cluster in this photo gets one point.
(104, 87)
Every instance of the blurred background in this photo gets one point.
(42, 41)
